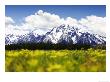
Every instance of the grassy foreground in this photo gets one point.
(55, 60)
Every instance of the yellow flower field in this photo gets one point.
(90, 60)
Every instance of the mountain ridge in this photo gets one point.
(65, 34)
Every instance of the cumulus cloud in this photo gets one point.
(95, 23)
(11, 28)
(42, 22)
(70, 21)
(9, 20)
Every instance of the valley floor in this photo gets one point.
(55, 60)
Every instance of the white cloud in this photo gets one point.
(11, 28)
(70, 21)
(95, 23)
(9, 20)
(43, 22)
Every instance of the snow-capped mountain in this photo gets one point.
(30, 37)
(77, 34)
(73, 34)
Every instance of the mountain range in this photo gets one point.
(77, 34)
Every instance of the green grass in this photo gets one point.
(55, 61)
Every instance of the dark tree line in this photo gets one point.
(50, 46)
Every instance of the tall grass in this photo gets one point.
(55, 60)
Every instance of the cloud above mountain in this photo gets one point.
(8, 20)
(95, 23)
(41, 22)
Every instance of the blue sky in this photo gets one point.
(18, 12)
